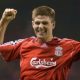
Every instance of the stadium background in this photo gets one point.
(67, 25)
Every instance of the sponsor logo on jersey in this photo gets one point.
(42, 63)
(58, 51)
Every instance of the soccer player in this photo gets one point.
(44, 57)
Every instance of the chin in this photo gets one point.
(41, 37)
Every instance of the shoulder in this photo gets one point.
(68, 41)
(18, 41)
(29, 39)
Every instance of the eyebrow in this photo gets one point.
(43, 22)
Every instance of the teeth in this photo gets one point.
(41, 30)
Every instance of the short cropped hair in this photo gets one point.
(43, 11)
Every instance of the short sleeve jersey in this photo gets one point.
(42, 61)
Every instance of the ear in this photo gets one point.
(32, 23)
(54, 24)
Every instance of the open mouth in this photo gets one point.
(41, 30)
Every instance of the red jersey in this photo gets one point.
(42, 61)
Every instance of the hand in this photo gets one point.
(9, 14)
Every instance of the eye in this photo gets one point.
(37, 22)
(44, 22)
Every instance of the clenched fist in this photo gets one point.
(9, 14)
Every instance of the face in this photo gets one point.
(43, 26)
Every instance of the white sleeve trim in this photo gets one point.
(12, 42)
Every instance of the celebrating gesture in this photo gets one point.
(43, 57)
(9, 14)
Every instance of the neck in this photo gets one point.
(49, 38)
(46, 39)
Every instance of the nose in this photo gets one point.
(40, 25)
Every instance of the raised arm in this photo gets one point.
(7, 16)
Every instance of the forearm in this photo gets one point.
(3, 26)
(8, 16)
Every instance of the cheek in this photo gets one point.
(50, 28)
(34, 26)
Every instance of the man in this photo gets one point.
(43, 57)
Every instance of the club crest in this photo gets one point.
(58, 51)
